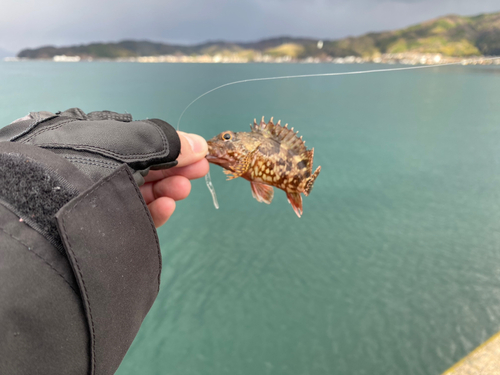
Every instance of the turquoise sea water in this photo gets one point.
(394, 267)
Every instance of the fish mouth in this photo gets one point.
(217, 156)
(216, 160)
(223, 162)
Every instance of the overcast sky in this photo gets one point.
(35, 23)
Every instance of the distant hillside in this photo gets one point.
(450, 36)
(129, 48)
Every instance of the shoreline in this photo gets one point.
(399, 58)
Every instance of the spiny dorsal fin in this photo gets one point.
(281, 134)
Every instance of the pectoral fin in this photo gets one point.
(295, 200)
(262, 192)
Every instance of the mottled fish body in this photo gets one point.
(268, 156)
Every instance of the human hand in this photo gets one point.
(164, 187)
(100, 142)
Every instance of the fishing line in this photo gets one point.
(207, 177)
(317, 75)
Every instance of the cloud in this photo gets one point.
(30, 23)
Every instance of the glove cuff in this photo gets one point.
(111, 259)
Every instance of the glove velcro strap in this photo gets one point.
(34, 188)
(34, 193)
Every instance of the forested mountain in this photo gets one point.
(450, 36)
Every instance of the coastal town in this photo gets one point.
(406, 58)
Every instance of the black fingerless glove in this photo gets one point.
(79, 253)
(99, 142)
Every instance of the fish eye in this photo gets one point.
(227, 136)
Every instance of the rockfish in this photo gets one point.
(269, 155)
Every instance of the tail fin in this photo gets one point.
(310, 182)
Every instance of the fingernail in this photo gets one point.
(197, 143)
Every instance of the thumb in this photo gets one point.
(193, 149)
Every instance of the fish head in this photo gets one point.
(226, 149)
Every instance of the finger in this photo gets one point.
(161, 210)
(192, 171)
(193, 149)
(175, 187)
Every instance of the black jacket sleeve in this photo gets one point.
(75, 288)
